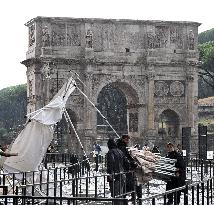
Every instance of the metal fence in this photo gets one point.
(21, 200)
(199, 193)
(87, 184)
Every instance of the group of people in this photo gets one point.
(121, 167)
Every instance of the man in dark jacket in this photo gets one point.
(122, 144)
(116, 165)
(180, 175)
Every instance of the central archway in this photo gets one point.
(119, 102)
(112, 103)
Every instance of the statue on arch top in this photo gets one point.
(45, 37)
(89, 39)
(191, 40)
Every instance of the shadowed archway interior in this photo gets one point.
(169, 125)
(112, 103)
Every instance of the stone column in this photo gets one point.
(151, 101)
(192, 94)
(189, 89)
(89, 114)
(151, 124)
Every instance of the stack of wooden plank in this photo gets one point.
(152, 165)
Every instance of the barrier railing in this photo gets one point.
(79, 177)
(15, 200)
(199, 193)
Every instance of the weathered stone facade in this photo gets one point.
(154, 64)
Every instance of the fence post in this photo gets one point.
(186, 195)
(202, 192)
(211, 190)
(193, 194)
(202, 174)
(208, 190)
(96, 161)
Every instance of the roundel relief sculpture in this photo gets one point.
(177, 88)
(161, 88)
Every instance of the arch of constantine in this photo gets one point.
(152, 65)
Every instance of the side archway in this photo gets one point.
(169, 126)
(65, 138)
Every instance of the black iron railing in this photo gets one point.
(87, 184)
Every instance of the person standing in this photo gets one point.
(116, 165)
(146, 147)
(179, 149)
(180, 174)
(97, 148)
(97, 151)
(122, 144)
(7, 154)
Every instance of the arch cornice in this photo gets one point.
(173, 63)
(160, 111)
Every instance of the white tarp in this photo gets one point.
(32, 143)
(52, 112)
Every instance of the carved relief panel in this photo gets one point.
(61, 35)
(58, 37)
(135, 40)
(73, 35)
(46, 39)
(31, 35)
(108, 36)
(161, 88)
(158, 38)
(169, 91)
(97, 37)
(30, 87)
(162, 34)
(150, 39)
(118, 36)
(176, 37)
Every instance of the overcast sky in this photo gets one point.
(15, 13)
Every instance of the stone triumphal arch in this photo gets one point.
(145, 71)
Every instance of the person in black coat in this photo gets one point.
(117, 163)
(180, 175)
(122, 144)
